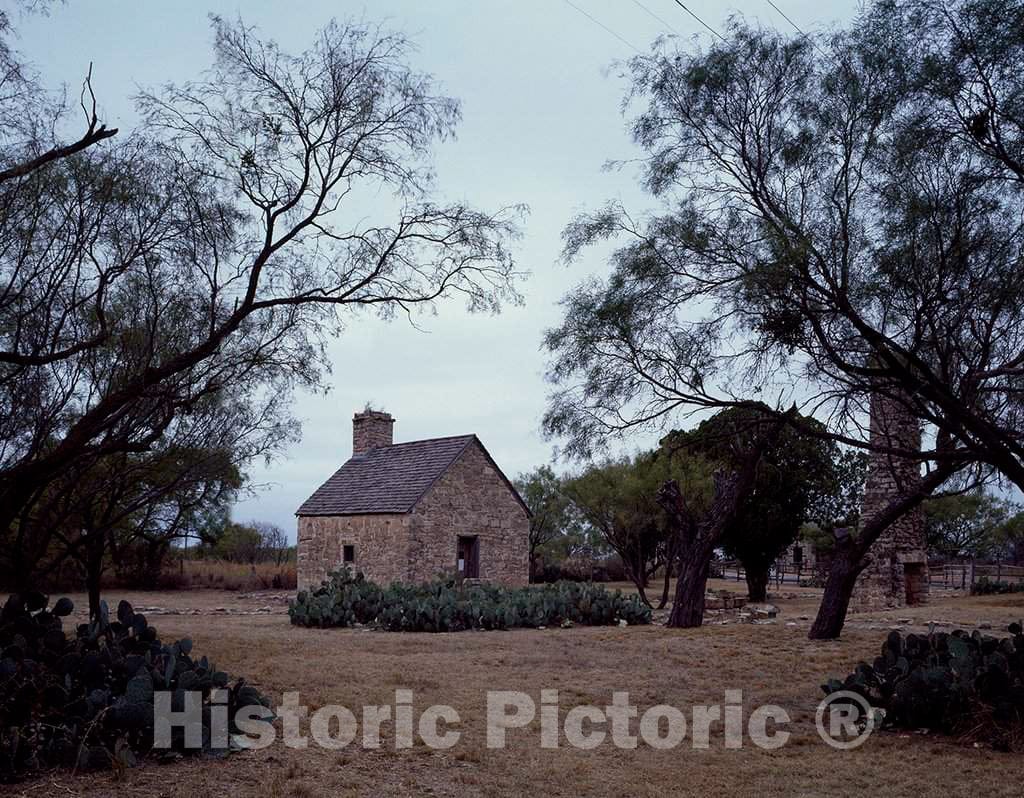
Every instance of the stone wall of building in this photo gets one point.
(471, 499)
(897, 574)
(376, 538)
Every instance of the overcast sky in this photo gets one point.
(542, 114)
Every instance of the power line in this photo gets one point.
(659, 19)
(797, 28)
(791, 22)
(601, 24)
(702, 22)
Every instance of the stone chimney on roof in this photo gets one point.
(370, 430)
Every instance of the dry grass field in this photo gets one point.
(220, 575)
(772, 663)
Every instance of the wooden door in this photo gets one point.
(468, 557)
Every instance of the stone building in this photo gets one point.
(800, 556)
(410, 511)
(897, 574)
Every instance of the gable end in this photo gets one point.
(473, 439)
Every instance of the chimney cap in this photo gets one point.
(369, 412)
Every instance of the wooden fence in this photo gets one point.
(781, 573)
(951, 576)
(962, 575)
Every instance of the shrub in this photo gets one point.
(984, 587)
(970, 685)
(581, 568)
(548, 572)
(223, 575)
(87, 701)
(181, 574)
(449, 606)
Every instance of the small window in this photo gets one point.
(349, 554)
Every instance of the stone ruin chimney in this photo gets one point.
(371, 429)
(897, 575)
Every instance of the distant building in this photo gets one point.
(410, 511)
(801, 556)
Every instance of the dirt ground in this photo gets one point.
(773, 663)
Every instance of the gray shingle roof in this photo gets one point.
(388, 479)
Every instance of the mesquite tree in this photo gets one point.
(792, 477)
(542, 491)
(966, 526)
(840, 217)
(617, 499)
(213, 249)
(127, 509)
(699, 530)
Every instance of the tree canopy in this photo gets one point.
(967, 525)
(795, 476)
(543, 492)
(839, 216)
(208, 254)
(829, 227)
(618, 498)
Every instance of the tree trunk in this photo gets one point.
(668, 576)
(641, 589)
(22, 578)
(639, 569)
(638, 576)
(696, 538)
(93, 588)
(95, 549)
(691, 587)
(851, 553)
(93, 577)
(757, 583)
(842, 577)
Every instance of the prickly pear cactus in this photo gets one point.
(347, 599)
(958, 683)
(87, 701)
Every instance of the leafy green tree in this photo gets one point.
(209, 525)
(840, 504)
(214, 250)
(542, 491)
(579, 539)
(619, 499)
(128, 510)
(970, 525)
(1011, 537)
(699, 526)
(239, 543)
(838, 219)
(793, 475)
